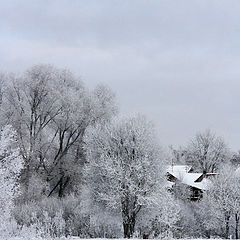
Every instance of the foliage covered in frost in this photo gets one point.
(68, 169)
(51, 109)
(207, 152)
(222, 202)
(11, 164)
(126, 171)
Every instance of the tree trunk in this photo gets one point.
(128, 228)
(129, 214)
(227, 217)
(62, 186)
(236, 225)
(60, 191)
(126, 231)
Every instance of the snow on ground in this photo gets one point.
(77, 238)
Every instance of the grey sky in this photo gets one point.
(175, 61)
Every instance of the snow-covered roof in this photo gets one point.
(189, 178)
(181, 173)
(203, 185)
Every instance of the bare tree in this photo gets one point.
(50, 110)
(221, 202)
(125, 169)
(206, 152)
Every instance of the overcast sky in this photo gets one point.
(178, 62)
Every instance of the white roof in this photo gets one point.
(204, 184)
(189, 178)
(181, 172)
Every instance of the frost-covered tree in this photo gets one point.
(11, 164)
(50, 109)
(176, 156)
(235, 201)
(125, 168)
(206, 152)
(159, 221)
(222, 202)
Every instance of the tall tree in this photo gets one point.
(206, 152)
(125, 168)
(51, 109)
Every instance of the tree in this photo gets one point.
(51, 109)
(222, 201)
(11, 164)
(159, 221)
(235, 200)
(176, 156)
(206, 152)
(125, 169)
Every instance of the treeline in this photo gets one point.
(70, 166)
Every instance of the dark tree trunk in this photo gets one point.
(60, 191)
(132, 225)
(62, 186)
(236, 225)
(129, 227)
(129, 219)
(227, 217)
(126, 231)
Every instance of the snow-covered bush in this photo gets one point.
(57, 217)
(11, 164)
(104, 223)
(158, 221)
(41, 219)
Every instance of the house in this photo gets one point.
(196, 183)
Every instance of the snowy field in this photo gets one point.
(77, 238)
